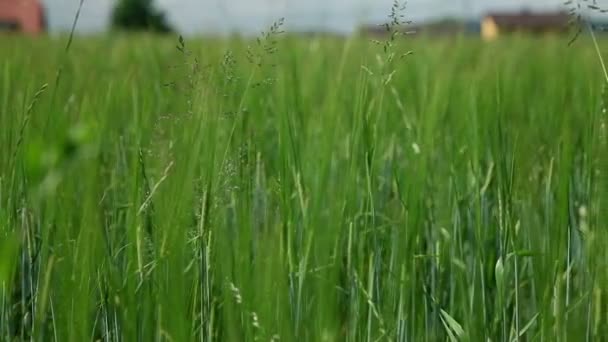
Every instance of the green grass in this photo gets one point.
(316, 197)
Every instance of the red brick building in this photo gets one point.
(22, 16)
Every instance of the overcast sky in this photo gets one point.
(193, 16)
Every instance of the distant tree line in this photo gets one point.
(139, 15)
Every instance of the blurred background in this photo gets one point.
(252, 16)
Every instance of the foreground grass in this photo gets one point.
(323, 192)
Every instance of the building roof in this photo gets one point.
(25, 15)
(530, 20)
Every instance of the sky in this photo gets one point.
(252, 16)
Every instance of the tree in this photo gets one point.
(139, 15)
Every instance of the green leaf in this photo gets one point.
(8, 254)
(452, 326)
(526, 328)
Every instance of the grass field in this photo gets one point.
(302, 190)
